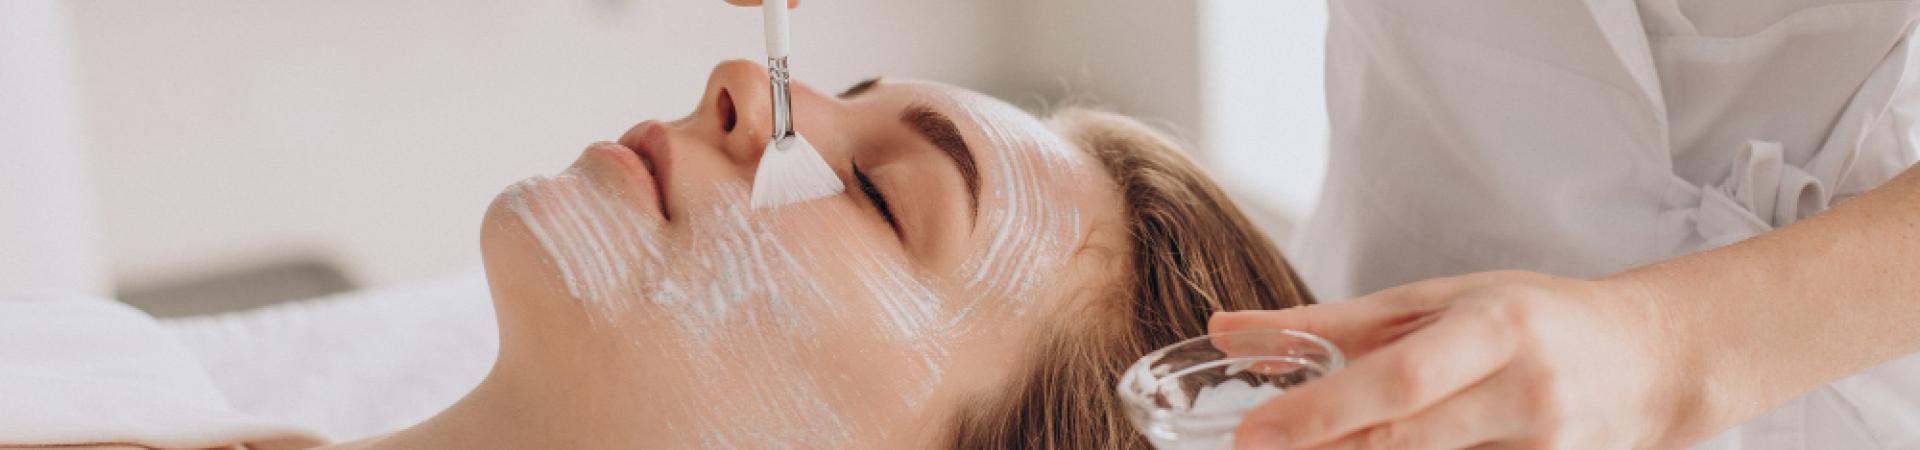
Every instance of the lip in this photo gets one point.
(654, 149)
(645, 161)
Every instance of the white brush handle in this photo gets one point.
(776, 24)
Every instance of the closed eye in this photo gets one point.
(873, 194)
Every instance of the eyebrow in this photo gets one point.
(859, 88)
(938, 129)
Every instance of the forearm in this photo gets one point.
(1760, 322)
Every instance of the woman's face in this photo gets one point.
(860, 319)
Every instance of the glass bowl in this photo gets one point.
(1191, 395)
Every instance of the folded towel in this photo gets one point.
(355, 364)
(88, 372)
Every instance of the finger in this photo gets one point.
(1350, 322)
(1356, 326)
(1401, 378)
(1478, 416)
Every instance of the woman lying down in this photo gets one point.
(981, 284)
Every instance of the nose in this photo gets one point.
(737, 110)
(736, 116)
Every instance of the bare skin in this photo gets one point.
(1661, 356)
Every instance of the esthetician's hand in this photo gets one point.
(1497, 359)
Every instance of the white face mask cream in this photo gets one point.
(1031, 230)
(746, 305)
(784, 329)
(1192, 394)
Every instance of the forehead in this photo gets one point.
(1007, 142)
(1038, 197)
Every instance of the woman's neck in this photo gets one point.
(535, 410)
(560, 380)
(565, 378)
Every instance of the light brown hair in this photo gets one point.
(1193, 253)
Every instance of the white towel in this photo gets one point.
(82, 372)
(351, 365)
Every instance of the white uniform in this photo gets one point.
(1583, 137)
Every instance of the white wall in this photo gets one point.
(49, 221)
(373, 133)
(1136, 57)
(1238, 80)
(1264, 99)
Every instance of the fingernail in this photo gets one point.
(1265, 439)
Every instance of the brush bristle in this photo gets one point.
(791, 171)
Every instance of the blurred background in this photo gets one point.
(194, 156)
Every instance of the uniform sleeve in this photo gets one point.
(1885, 400)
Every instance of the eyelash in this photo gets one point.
(873, 194)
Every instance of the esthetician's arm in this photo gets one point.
(1660, 356)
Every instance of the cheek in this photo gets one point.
(848, 267)
(806, 271)
(812, 293)
(812, 309)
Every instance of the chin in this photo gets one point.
(515, 263)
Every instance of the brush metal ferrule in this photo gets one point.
(782, 100)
